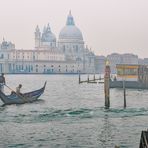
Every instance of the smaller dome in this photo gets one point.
(47, 35)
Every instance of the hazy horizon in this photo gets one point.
(107, 26)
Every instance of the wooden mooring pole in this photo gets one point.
(124, 93)
(94, 77)
(88, 79)
(106, 86)
(79, 78)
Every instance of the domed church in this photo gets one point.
(70, 43)
(71, 40)
(68, 55)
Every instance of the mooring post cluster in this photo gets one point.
(107, 81)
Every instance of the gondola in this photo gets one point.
(28, 97)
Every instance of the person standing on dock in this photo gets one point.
(2, 82)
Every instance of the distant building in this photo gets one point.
(126, 58)
(145, 61)
(129, 58)
(114, 59)
(141, 61)
(7, 45)
(100, 64)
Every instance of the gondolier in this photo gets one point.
(18, 89)
(27, 97)
(2, 82)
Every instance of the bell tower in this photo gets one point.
(37, 37)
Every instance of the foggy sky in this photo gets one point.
(107, 25)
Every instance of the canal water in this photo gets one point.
(71, 115)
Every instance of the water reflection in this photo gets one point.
(107, 133)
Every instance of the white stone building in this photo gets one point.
(68, 55)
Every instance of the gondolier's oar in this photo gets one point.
(19, 95)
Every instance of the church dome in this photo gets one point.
(70, 31)
(47, 35)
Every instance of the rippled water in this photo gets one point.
(72, 115)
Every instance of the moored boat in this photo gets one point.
(28, 97)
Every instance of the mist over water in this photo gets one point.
(72, 115)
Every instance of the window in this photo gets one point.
(2, 56)
(76, 48)
(31, 68)
(64, 48)
(132, 71)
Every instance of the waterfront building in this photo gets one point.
(126, 58)
(130, 76)
(128, 72)
(68, 55)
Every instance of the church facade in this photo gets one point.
(65, 55)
